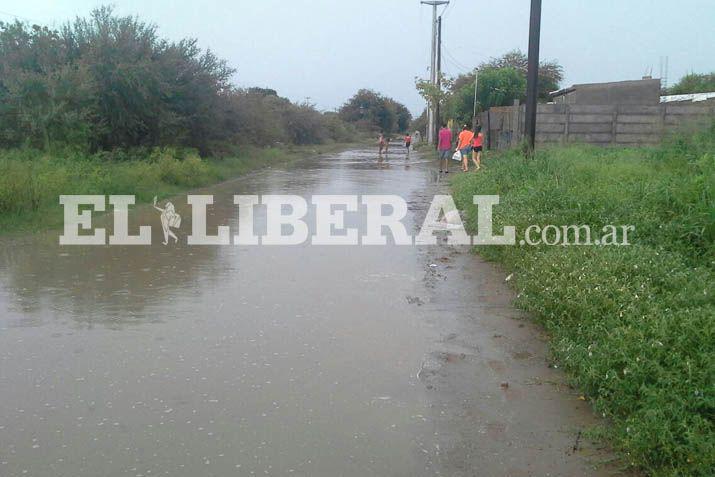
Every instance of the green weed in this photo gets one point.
(31, 181)
(633, 326)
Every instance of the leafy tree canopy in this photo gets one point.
(107, 82)
(501, 81)
(372, 111)
(694, 83)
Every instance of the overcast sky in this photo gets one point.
(326, 50)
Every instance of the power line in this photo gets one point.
(19, 17)
(457, 64)
(446, 8)
(453, 68)
(454, 60)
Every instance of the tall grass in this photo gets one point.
(31, 181)
(634, 326)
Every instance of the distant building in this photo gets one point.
(689, 98)
(643, 92)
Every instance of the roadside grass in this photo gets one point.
(633, 326)
(31, 181)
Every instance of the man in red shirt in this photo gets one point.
(444, 147)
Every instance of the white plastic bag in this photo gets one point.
(457, 156)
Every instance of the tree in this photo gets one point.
(694, 83)
(42, 97)
(149, 91)
(501, 81)
(551, 73)
(497, 87)
(433, 94)
(110, 82)
(402, 114)
(500, 86)
(420, 122)
(263, 91)
(372, 111)
(460, 104)
(304, 124)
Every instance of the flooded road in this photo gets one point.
(290, 360)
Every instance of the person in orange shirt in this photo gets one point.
(477, 146)
(464, 145)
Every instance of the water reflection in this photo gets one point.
(114, 285)
(238, 360)
(177, 360)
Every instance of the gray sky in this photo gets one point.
(326, 50)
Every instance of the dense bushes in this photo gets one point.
(110, 82)
(31, 181)
(634, 326)
(106, 82)
(261, 117)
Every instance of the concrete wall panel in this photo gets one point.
(638, 128)
(590, 128)
(591, 118)
(634, 124)
(629, 109)
(550, 127)
(639, 118)
(590, 137)
(637, 138)
(592, 109)
(550, 118)
(689, 109)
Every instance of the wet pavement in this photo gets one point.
(289, 360)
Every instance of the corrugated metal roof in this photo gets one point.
(562, 91)
(693, 98)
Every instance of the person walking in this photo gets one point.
(464, 146)
(381, 143)
(477, 146)
(444, 148)
(408, 143)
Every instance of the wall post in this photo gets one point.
(567, 122)
(614, 126)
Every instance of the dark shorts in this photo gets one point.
(465, 151)
(445, 154)
(408, 144)
(477, 148)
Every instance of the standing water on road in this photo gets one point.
(288, 360)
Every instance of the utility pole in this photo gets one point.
(433, 63)
(532, 75)
(435, 129)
